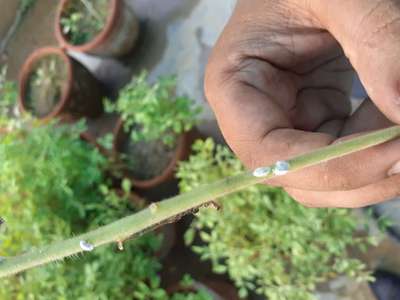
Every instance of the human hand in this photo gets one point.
(279, 81)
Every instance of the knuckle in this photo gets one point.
(219, 74)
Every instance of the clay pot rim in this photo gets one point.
(168, 171)
(24, 76)
(113, 16)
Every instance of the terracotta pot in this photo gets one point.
(219, 290)
(182, 152)
(82, 94)
(117, 38)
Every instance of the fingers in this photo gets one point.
(369, 31)
(249, 116)
(355, 170)
(252, 84)
(346, 173)
(314, 107)
(367, 118)
(259, 132)
(368, 195)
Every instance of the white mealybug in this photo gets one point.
(262, 172)
(120, 245)
(153, 208)
(281, 168)
(85, 246)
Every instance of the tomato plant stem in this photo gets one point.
(172, 209)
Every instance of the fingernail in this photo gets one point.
(395, 170)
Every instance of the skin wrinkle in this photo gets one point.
(341, 111)
(380, 9)
(328, 61)
(386, 25)
(244, 68)
(370, 13)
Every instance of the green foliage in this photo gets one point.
(263, 239)
(153, 291)
(154, 111)
(8, 97)
(44, 169)
(105, 274)
(83, 20)
(52, 186)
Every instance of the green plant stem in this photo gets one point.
(171, 209)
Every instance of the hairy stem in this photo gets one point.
(168, 210)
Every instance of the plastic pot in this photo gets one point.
(81, 96)
(181, 152)
(117, 38)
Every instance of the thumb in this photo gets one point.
(369, 32)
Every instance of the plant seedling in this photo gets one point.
(83, 20)
(45, 84)
(153, 117)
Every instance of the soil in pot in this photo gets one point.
(83, 20)
(146, 160)
(45, 84)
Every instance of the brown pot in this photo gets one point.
(182, 152)
(82, 94)
(117, 38)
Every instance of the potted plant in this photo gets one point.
(51, 186)
(52, 84)
(154, 132)
(99, 27)
(264, 240)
